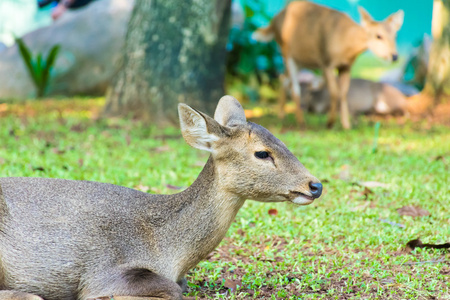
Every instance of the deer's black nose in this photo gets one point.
(315, 189)
(394, 57)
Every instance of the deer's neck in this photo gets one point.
(350, 42)
(360, 40)
(205, 212)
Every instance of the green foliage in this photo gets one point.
(340, 247)
(38, 68)
(247, 57)
(416, 67)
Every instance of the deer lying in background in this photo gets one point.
(364, 97)
(316, 37)
(63, 239)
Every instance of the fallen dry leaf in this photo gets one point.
(167, 137)
(156, 190)
(173, 187)
(106, 134)
(360, 207)
(387, 281)
(142, 188)
(439, 157)
(199, 164)
(445, 271)
(373, 184)
(58, 151)
(442, 157)
(413, 211)
(345, 173)
(38, 168)
(77, 128)
(364, 193)
(160, 149)
(273, 212)
(241, 232)
(232, 284)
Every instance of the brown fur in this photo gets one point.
(316, 37)
(64, 239)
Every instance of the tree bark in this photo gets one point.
(174, 52)
(438, 75)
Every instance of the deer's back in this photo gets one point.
(317, 36)
(66, 228)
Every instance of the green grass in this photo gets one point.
(371, 67)
(336, 248)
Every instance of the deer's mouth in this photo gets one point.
(300, 198)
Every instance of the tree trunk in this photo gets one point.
(174, 52)
(438, 75)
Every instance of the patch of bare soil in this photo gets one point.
(421, 107)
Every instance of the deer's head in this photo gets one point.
(249, 160)
(382, 35)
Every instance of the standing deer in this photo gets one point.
(316, 37)
(63, 239)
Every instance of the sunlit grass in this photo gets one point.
(368, 66)
(336, 248)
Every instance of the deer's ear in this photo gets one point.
(395, 20)
(229, 112)
(366, 19)
(199, 130)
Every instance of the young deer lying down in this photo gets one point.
(364, 97)
(63, 239)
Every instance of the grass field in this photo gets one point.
(349, 244)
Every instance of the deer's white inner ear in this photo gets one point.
(229, 112)
(396, 20)
(194, 128)
(366, 19)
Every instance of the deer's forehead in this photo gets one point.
(256, 134)
(382, 27)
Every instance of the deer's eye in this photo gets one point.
(262, 154)
(379, 37)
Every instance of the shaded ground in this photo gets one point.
(419, 106)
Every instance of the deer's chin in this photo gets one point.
(386, 58)
(303, 200)
(382, 56)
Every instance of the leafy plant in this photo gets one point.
(39, 67)
(247, 57)
(416, 67)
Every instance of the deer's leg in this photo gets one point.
(292, 70)
(284, 85)
(344, 84)
(333, 89)
(16, 295)
(183, 284)
(136, 284)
